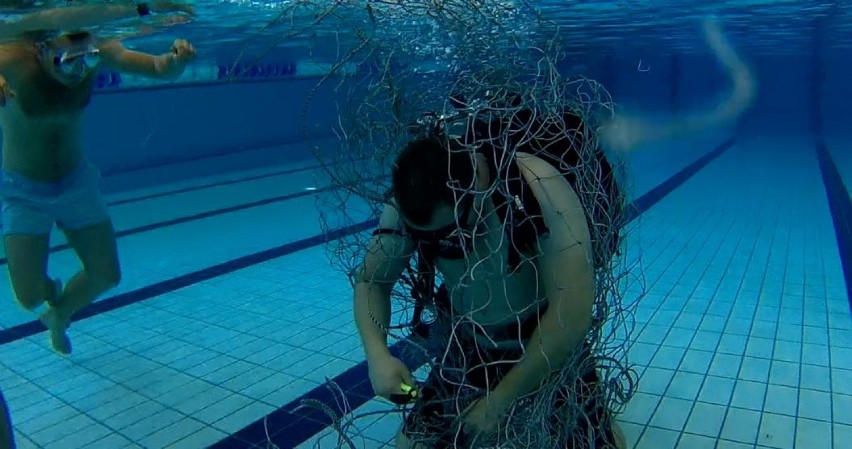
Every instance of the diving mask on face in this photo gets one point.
(454, 229)
(77, 63)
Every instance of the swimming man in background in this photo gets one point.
(46, 83)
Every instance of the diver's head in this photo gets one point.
(69, 58)
(434, 186)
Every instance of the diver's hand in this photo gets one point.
(173, 63)
(182, 51)
(484, 416)
(388, 374)
(5, 91)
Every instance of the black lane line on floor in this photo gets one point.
(194, 217)
(651, 198)
(210, 185)
(840, 206)
(292, 425)
(200, 216)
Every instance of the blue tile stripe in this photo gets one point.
(195, 75)
(111, 80)
(292, 426)
(656, 194)
(840, 206)
(191, 83)
(288, 428)
(160, 288)
(251, 71)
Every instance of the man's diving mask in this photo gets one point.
(73, 63)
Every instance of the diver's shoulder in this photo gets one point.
(390, 217)
(535, 166)
(544, 179)
(15, 49)
(13, 57)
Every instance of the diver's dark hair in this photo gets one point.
(39, 35)
(47, 36)
(77, 35)
(422, 176)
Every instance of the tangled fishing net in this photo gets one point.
(434, 67)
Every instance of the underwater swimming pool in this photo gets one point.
(233, 313)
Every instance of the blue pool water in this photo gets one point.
(229, 313)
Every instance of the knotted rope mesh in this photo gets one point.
(432, 66)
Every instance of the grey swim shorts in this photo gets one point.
(32, 207)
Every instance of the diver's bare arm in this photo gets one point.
(73, 17)
(566, 281)
(117, 57)
(387, 256)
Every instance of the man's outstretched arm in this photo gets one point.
(168, 65)
(74, 17)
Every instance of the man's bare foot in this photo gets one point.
(56, 325)
(56, 328)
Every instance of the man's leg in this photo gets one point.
(26, 257)
(27, 225)
(95, 246)
(83, 217)
(27, 264)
